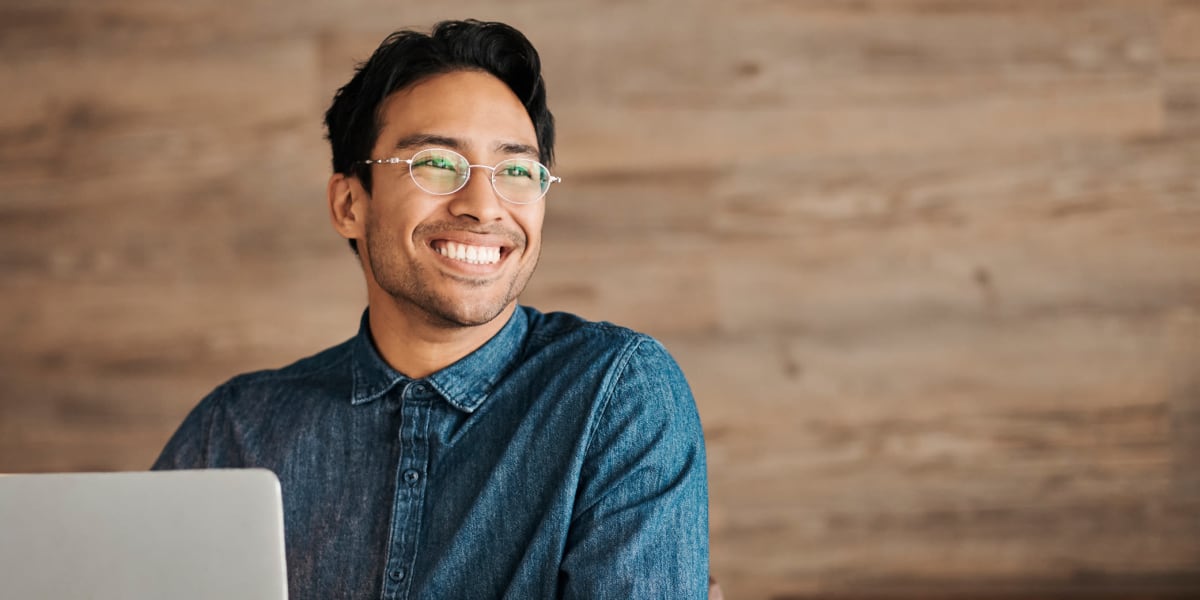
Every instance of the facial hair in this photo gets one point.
(409, 282)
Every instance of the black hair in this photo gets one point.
(407, 57)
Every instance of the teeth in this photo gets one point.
(476, 255)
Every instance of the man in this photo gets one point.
(461, 445)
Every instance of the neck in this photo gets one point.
(417, 346)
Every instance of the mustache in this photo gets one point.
(427, 230)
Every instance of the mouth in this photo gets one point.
(469, 253)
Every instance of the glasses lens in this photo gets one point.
(439, 171)
(521, 180)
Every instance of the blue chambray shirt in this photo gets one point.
(562, 459)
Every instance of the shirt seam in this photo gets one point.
(609, 388)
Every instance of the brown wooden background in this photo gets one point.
(931, 266)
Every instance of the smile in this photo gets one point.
(475, 255)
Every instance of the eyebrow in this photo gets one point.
(515, 148)
(432, 139)
(427, 139)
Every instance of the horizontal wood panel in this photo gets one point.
(683, 138)
(1181, 31)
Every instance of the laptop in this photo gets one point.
(186, 535)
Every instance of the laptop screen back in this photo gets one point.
(172, 534)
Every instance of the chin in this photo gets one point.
(464, 314)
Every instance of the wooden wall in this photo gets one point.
(932, 267)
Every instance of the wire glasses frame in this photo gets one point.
(441, 172)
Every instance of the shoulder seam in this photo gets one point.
(610, 384)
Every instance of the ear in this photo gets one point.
(347, 209)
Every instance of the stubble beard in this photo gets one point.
(409, 285)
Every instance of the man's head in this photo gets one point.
(457, 259)
(406, 57)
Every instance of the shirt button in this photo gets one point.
(421, 388)
(412, 476)
(397, 574)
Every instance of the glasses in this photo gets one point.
(441, 172)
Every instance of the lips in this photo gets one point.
(468, 253)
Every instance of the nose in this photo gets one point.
(478, 199)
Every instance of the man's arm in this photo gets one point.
(640, 524)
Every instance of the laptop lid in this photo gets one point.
(184, 535)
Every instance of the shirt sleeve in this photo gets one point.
(640, 523)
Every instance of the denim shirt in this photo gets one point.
(561, 459)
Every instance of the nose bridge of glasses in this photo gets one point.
(484, 202)
(491, 176)
(491, 180)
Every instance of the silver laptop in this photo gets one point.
(185, 535)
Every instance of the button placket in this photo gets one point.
(413, 439)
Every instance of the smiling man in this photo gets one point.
(462, 445)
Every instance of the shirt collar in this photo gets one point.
(464, 384)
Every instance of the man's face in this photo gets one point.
(463, 258)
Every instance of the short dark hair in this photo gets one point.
(407, 57)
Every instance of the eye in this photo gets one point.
(516, 170)
(436, 162)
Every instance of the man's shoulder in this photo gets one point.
(554, 327)
(324, 370)
(574, 339)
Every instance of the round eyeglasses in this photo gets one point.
(441, 172)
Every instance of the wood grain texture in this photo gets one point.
(931, 267)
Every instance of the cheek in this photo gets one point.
(531, 224)
(397, 217)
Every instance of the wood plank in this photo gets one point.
(273, 308)
(1181, 31)
(136, 180)
(686, 138)
(755, 54)
(166, 118)
(866, 430)
(1181, 91)
(833, 243)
